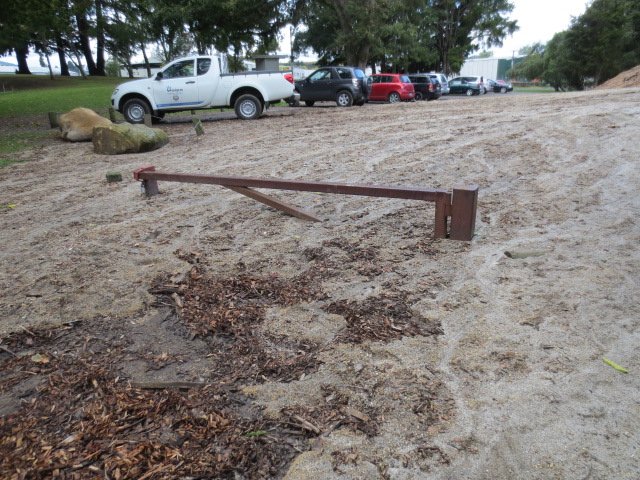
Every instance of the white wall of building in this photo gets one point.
(480, 67)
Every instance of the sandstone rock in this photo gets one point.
(78, 124)
(120, 138)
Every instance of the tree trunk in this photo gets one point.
(100, 63)
(21, 56)
(64, 68)
(146, 60)
(85, 47)
(49, 65)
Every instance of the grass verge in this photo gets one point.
(533, 89)
(33, 96)
(12, 143)
(24, 96)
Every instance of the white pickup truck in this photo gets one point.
(198, 82)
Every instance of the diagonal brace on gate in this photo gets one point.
(455, 211)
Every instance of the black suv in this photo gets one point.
(426, 87)
(344, 85)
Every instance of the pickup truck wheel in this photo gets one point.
(394, 97)
(309, 103)
(248, 107)
(344, 99)
(135, 109)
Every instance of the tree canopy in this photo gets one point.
(402, 34)
(599, 44)
(398, 35)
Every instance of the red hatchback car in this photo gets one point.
(391, 87)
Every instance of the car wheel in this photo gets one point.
(248, 107)
(503, 90)
(419, 96)
(344, 99)
(135, 109)
(394, 97)
(469, 92)
(309, 103)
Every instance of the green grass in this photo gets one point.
(533, 89)
(15, 142)
(23, 95)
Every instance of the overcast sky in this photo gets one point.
(539, 21)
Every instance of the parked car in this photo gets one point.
(391, 87)
(460, 85)
(442, 79)
(196, 83)
(344, 85)
(426, 88)
(478, 81)
(502, 86)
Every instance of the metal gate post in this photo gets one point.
(150, 186)
(442, 215)
(463, 212)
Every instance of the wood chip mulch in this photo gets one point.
(86, 422)
(384, 317)
(70, 412)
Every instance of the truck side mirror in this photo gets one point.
(159, 76)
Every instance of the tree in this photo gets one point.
(414, 33)
(18, 22)
(601, 40)
(532, 66)
(463, 25)
(598, 45)
(341, 31)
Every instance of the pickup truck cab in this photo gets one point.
(199, 82)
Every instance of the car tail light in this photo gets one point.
(288, 77)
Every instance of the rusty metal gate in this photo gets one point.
(455, 211)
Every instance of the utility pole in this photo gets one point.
(513, 55)
(292, 31)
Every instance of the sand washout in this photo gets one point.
(519, 363)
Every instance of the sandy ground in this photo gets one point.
(517, 375)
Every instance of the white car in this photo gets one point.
(444, 83)
(199, 82)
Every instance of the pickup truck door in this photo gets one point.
(177, 86)
(318, 85)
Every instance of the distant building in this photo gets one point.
(493, 68)
(140, 69)
(268, 63)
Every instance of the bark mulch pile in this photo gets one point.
(626, 79)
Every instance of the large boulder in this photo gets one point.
(120, 138)
(77, 125)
